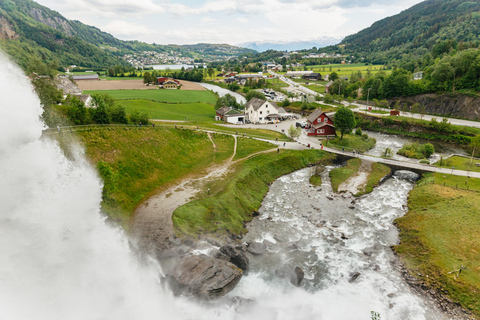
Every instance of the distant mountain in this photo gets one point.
(30, 31)
(262, 46)
(417, 29)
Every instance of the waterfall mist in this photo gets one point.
(58, 258)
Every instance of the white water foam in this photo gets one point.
(58, 258)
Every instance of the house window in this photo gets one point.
(261, 112)
(326, 119)
(260, 119)
(321, 131)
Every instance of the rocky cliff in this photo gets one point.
(449, 104)
(6, 29)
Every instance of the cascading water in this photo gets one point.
(58, 258)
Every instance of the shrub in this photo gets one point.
(358, 132)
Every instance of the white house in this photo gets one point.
(260, 111)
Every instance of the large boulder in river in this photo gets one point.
(256, 248)
(236, 257)
(204, 277)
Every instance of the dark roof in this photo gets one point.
(256, 103)
(232, 112)
(223, 110)
(314, 116)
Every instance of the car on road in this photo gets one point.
(301, 124)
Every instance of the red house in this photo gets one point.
(320, 124)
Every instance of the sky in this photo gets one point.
(227, 21)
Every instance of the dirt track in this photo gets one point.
(129, 85)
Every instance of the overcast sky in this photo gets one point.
(227, 21)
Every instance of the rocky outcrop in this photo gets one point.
(448, 104)
(256, 248)
(6, 29)
(236, 257)
(204, 277)
(55, 22)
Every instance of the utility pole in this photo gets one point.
(368, 96)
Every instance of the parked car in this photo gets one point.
(300, 124)
(239, 122)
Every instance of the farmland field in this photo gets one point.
(345, 70)
(168, 111)
(170, 96)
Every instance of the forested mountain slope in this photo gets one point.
(416, 30)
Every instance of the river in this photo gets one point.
(222, 92)
(61, 260)
(395, 143)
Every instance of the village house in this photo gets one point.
(295, 74)
(229, 115)
(168, 83)
(312, 76)
(260, 111)
(320, 124)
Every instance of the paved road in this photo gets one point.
(304, 140)
(458, 122)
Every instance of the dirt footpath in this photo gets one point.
(129, 85)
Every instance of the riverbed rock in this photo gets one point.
(354, 276)
(256, 248)
(295, 275)
(204, 277)
(235, 256)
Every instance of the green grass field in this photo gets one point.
(247, 146)
(170, 96)
(439, 234)
(460, 163)
(345, 70)
(166, 111)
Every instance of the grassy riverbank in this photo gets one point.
(439, 235)
(459, 163)
(342, 174)
(226, 211)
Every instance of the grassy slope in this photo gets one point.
(460, 163)
(171, 96)
(247, 146)
(165, 111)
(134, 162)
(438, 235)
(340, 175)
(316, 180)
(225, 211)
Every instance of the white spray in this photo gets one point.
(58, 259)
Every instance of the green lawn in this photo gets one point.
(439, 234)
(345, 70)
(352, 142)
(460, 163)
(167, 111)
(170, 96)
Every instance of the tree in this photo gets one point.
(333, 76)
(294, 132)
(285, 103)
(211, 72)
(475, 144)
(428, 150)
(344, 120)
(254, 94)
(147, 77)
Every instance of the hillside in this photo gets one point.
(417, 29)
(28, 29)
